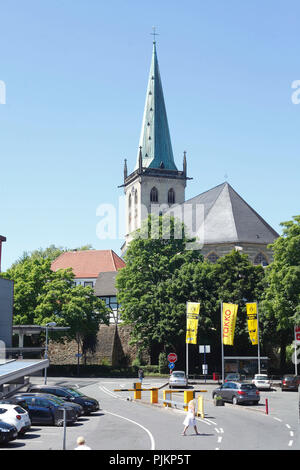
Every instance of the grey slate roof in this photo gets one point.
(227, 218)
(106, 284)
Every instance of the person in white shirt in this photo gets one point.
(81, 445)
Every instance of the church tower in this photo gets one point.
(155, 183)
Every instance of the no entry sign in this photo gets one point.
(297, 334)
(172, 357)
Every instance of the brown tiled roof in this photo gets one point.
(88, 263)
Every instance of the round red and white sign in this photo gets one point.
(172, 357)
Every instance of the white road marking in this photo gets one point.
(137, 424)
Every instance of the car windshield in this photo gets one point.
(20, 410)
(2, 411)
(261, 377)
(247, 386)
(178, 374)
(75, 393)
(55, 399)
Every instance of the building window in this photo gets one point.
(261, 259)
(171, 196)
(154, 195)
(112, 303)
(129, 200)
(135, 197)
(213, 257)
(88, 284)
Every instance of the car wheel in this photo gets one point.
(234, 400)
(59, 422)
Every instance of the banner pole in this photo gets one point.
(295, 344)
(186, 349)
(258, 345)
(222, 344)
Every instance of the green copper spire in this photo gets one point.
(155, 141)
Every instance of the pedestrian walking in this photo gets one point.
(81, 445)
(190, 419)
(141, 375)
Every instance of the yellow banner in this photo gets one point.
(252, 322)
(192, 310)
(229, 314)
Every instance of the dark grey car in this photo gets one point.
(237, 392)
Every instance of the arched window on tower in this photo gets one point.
(129, 200)
(171, 196)
(212, 257)
(154, 195)
(261, 259)
(135, 197)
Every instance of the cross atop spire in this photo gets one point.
(154, 34)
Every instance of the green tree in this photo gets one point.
(153, 261)
(281, 305)
(238, 281)
(42, 296)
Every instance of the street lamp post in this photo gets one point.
(46, 348)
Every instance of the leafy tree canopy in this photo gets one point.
(41, 296)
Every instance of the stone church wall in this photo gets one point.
(252, 250)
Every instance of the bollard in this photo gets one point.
(137, 391)
(154, 395)
(200, 406)
(267, 407)
(188, 396)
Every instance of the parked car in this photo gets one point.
(8, 432)
(234, 377)
(15, 415)
(262, 382)
(290, 382)
(68, 394)
(237, 392)
(43, 410)
(178, 379)
(77, 408)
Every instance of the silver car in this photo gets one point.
(178, 379)
(238, 393)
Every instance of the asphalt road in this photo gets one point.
(123, 424)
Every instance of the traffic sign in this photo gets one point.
(297, 334)
(172, 357)
(205, 348)
(171, 365)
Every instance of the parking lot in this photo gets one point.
(122, 423)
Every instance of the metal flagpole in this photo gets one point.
(187, 349)
(222, 344)
(295, 342)
(258, 345)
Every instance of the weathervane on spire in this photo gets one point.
(154, 34)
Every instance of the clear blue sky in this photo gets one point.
(76, 75)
